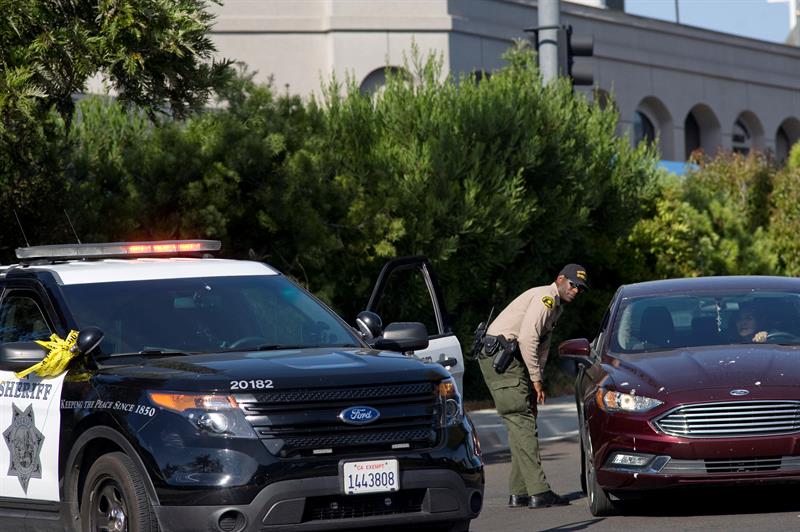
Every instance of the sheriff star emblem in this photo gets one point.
(24, 443)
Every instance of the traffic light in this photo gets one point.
(571, 46)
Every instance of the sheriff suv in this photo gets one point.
(218, 395)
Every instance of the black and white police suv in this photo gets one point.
(218, 395)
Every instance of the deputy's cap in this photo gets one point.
(577, 274)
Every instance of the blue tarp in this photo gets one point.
(676, 167)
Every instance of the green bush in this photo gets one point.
(785, 219)
(713, 221)
(499, 182)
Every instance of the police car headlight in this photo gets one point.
(451, 409)
(624, 402)
(217, 415)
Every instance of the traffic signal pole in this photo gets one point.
(549, 20)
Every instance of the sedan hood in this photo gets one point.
(288, 368)
(730, 367)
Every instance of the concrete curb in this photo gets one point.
(557, 420)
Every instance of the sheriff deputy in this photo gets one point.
(528, 322)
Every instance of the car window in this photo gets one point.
(407, 298)
(657, 323)
(205, 315)
(21, 319)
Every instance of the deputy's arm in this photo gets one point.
(531, 345)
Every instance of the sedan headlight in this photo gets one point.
(610, 401)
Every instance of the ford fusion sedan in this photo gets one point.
(690, 382)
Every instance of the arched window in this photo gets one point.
(652, 122)
(691, 133)
(787, 135)
(782, 145)
(740, 138)
(643, 129)
(701, 130)
(376, 80)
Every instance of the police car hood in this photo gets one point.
(287, 368)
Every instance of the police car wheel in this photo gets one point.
(114, 498)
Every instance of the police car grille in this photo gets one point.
(732, 419)
(343, 394)
(302, 423)
(355, 506)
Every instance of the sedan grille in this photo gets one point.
(732, 465)
(301, 423)
(735, 419)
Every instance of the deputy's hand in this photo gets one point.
(540, 396)
(760, 337)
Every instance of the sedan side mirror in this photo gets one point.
(403, 336)
(577, 348)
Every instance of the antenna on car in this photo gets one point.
(74, 232)
(28, 244)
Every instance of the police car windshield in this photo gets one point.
(205, 315)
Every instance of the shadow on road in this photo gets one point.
(716, 501)
(580, 525)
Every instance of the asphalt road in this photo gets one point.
(750, 508)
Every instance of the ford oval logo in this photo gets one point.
(739, 392)
(359, 415)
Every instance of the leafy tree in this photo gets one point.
(154, 53)
(713, 221)
(785, 218)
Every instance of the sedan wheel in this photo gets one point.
(599, 502)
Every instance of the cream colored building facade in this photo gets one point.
(689, 87)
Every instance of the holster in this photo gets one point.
(501, 350)
(505, 354)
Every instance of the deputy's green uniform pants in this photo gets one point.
(511, 392)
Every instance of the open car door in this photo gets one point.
(407, 290)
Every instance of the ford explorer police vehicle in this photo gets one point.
(218, 395)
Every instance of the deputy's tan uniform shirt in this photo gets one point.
(530, 318)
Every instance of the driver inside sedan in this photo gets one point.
(747, 326)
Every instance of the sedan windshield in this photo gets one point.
(205, 315)
(656, 323)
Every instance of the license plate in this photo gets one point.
(370, 476)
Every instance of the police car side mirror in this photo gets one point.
(88, 339)
(403, 336)
(369, 324)
(16, 356)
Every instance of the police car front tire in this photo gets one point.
(114, 497)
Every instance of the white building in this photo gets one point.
(690, 87)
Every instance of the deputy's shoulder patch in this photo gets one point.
(548, 302)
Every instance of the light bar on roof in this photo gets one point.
(118, 249)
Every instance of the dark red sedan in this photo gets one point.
(690, 382)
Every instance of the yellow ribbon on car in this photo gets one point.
(62, 351)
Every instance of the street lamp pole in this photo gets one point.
(549, 17)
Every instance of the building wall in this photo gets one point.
(660, 69)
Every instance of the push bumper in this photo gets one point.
(426, 496)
